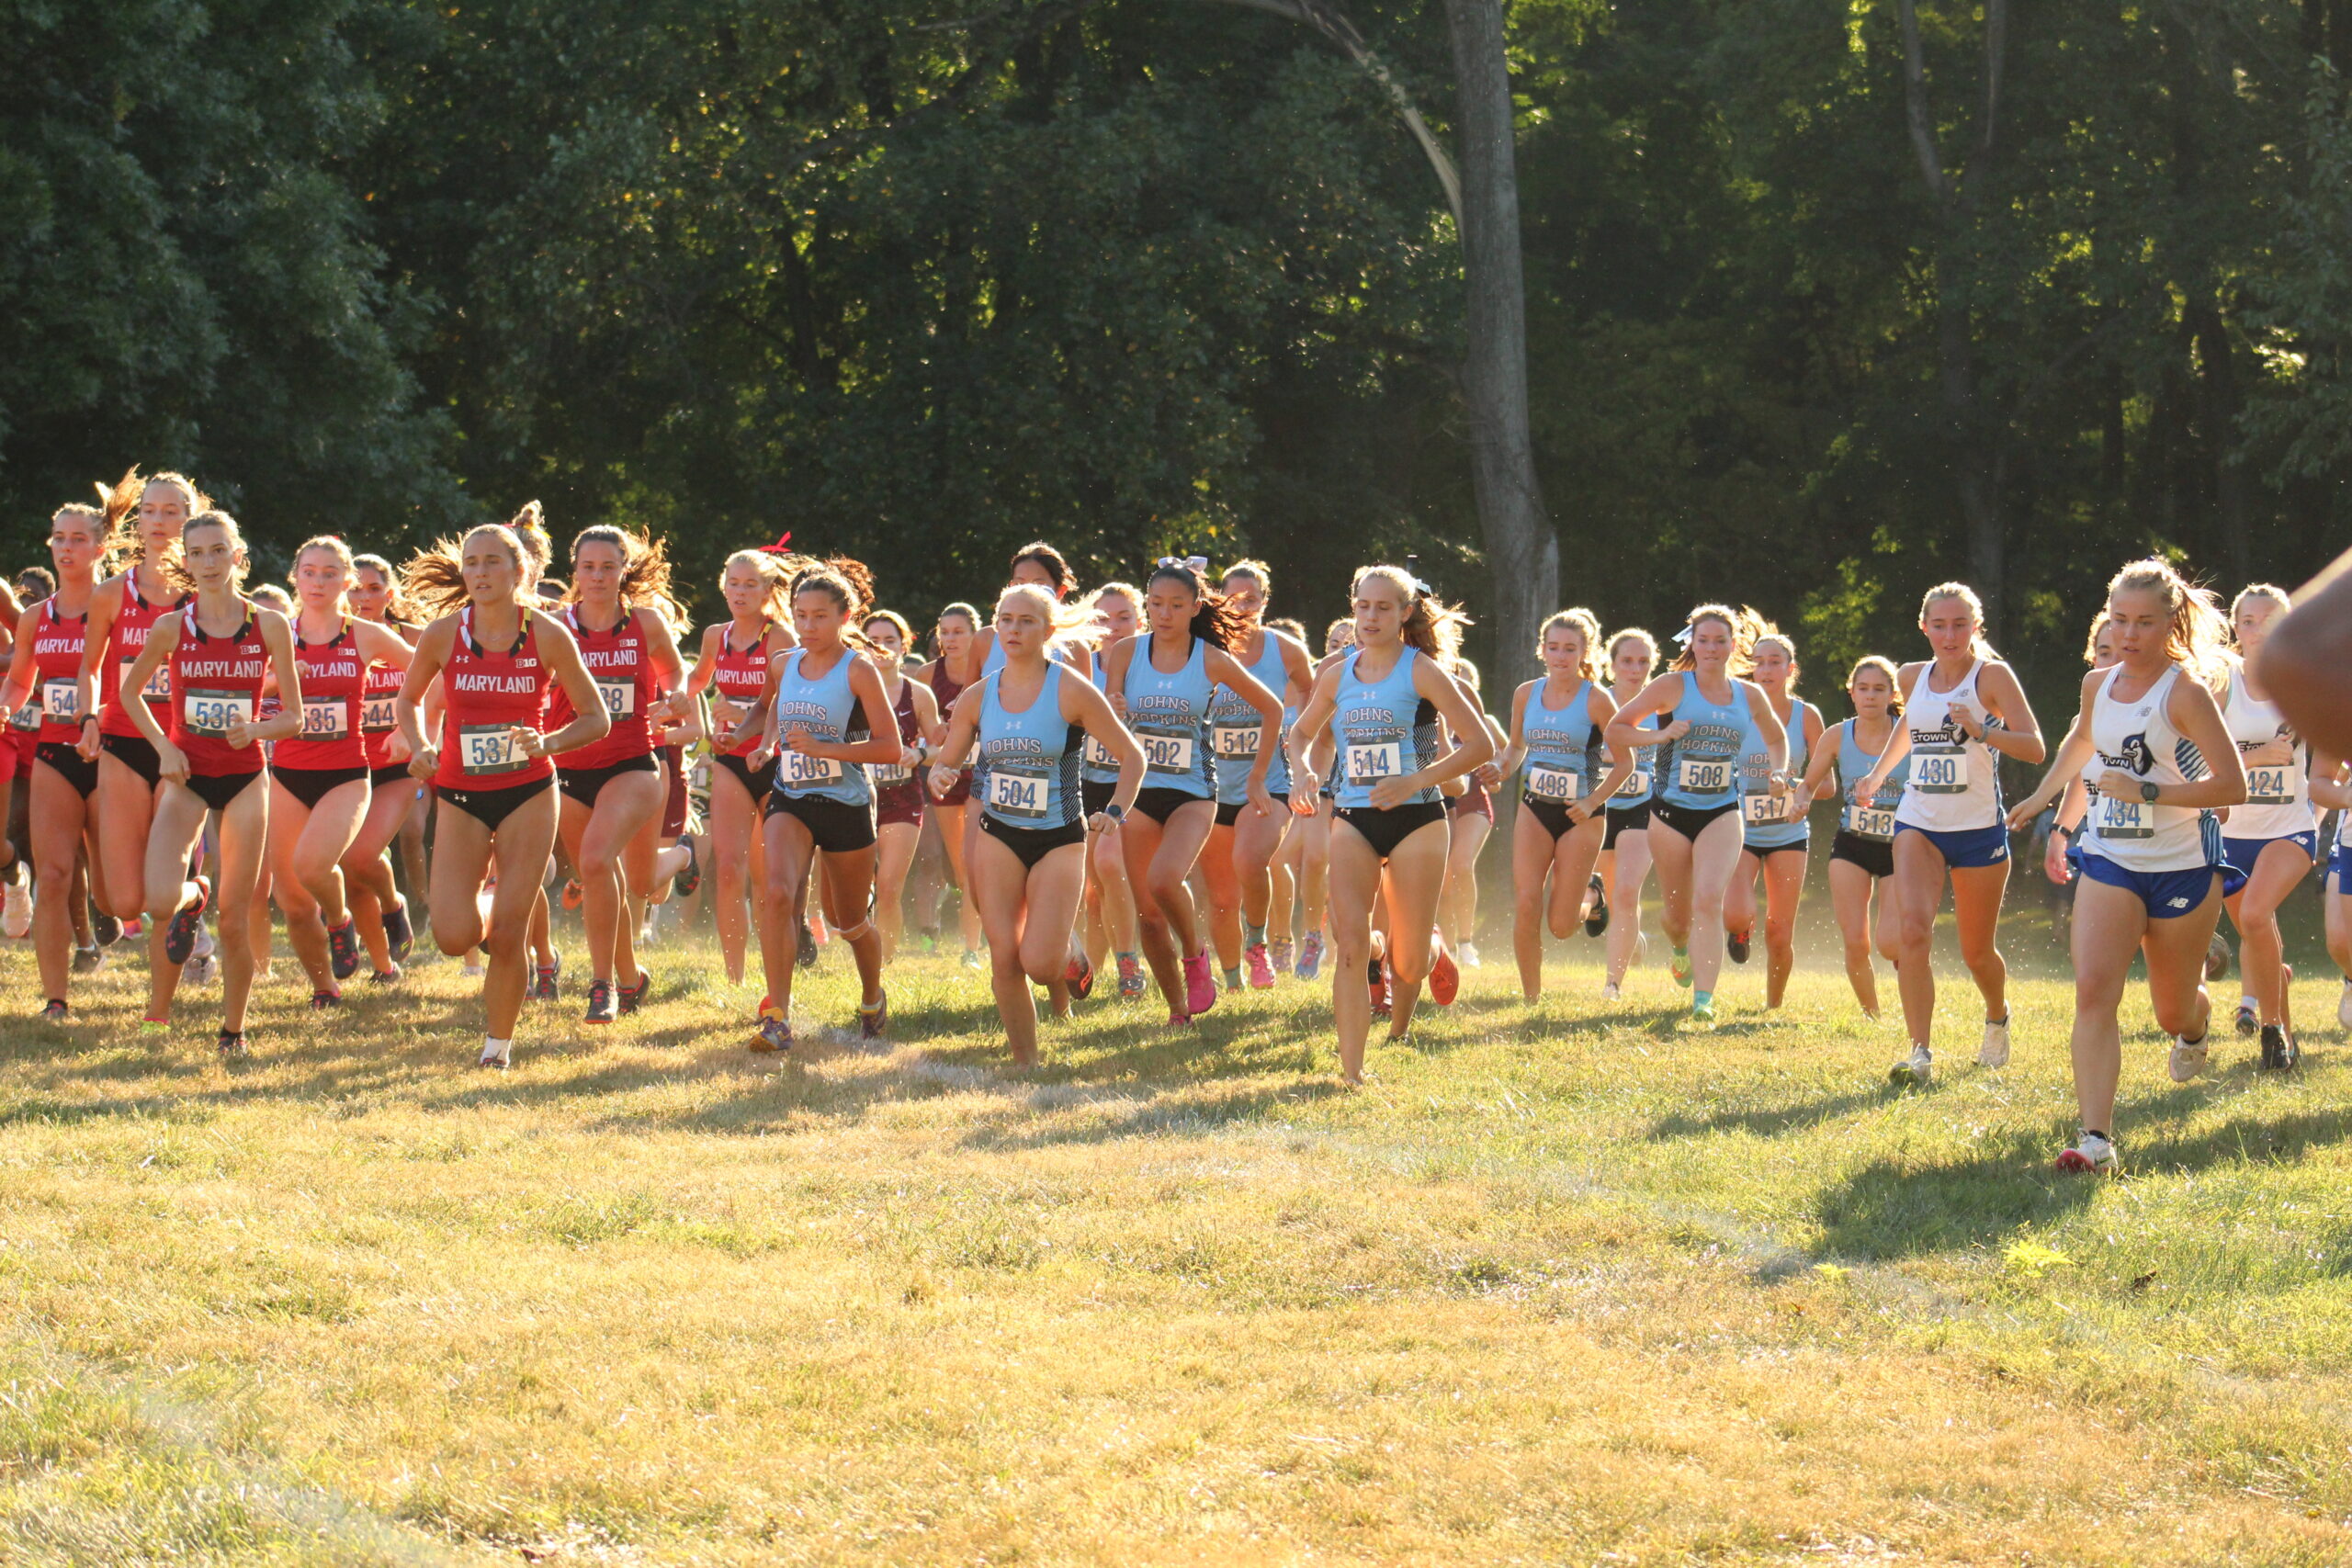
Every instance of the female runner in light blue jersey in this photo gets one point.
(1708, 711)
(824, 716)
(1775, 839)
(1030, 720)
(2152, 744)
(1861, 857)
(1383, 703)
(1626, 843)
(1557, 723)
(1110, 930)
(1963, 711)
(1162, 681)
(1238, 858)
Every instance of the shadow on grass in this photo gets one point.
(1772, 1122)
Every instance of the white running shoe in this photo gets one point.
(1608, 991)
(2186, 1061)
(497, 1053)
(1995, 1051)
(17, 911)
(1915, 1070)
(2092, 1152)
(1469, 954)
(473, 971)
(2343, 1006)
(205, 946)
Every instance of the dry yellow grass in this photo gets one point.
(1561, 1286)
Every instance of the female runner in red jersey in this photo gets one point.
(897, 786)
(395, 803)
(733, 667)
(47, 667)
(220, 649)
(33, 585)
(956, 635)
(496, 660)
(620, 613)
(147, 516)
(318, 776)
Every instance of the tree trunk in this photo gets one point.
(2218, 382)
(1523, 551)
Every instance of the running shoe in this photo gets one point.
(1310, 962)
(323, 1001)
(1078, 975)
(1376, 974)
(1598, 921)
(632, 998)
(1200, 985)
(2185, 1061)
(1278, 954)
(1702, 1015)
(231, 1045)
(476, 971)
(54, 1012)
(2343, 1006)
(385, 976)
(2249, 1022)
(1445, 975)
(399, 935)
(154, 1025)
(343, 949)
(2217, 957)
(1131, 977)
(775, 1036)
(497, 1053)
(1915, 1070)
(686, 881)
(1468, 956)
(1995, 1050)
(105, 927)
(135, 928)
(179, 937)
(804, 953)
(543, 979)
(600, 1002)
(971, 954)
(2278, 1051)
(573, 893)
(201, 969)
(1261, 966)
(874, 1022)
(88, 960)
(16, 910)
(1608, 992)
(1681, 969)
(2092, 1153)
(1736, 946)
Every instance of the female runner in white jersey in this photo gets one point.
(2058, 859)
(1383, 703)
(1963, 710)
(1625, 841)
(2272, 839)
(1861, 856)
(1777, 841)
(2151, 742)
(1708, 711)
(1029, 862)
(1557, 721)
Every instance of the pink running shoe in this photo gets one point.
(1262, 967)
(1200, 985)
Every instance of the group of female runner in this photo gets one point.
(1140, 774)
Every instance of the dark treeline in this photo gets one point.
(1825, 300)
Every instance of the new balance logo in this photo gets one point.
(2180, 903)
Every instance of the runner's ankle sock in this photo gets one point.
(1702, 999)
(1252, 936)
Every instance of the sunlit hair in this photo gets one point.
(1767, 632)
(1065, 623)
(209, 518)
(434, 577)
(536, 544)
(1633, 634)
(1114, 589)
(397, 609)
(36, 583)
(1886, 667)
(775, 578)
(2198, 638)
(118, 503)
(1977, 646)
(1057, 569)
(1585, 624)
(1432, 626)
(848, 584)
(1288, 627)
(2090, 644)
(1339, 634)
(898, 621)
(272, 596)
(645, 572)
(1467, 673)
(1256, 570)
(1215, 622)
(1743, 628)
(2264, 590)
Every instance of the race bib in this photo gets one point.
(620, 698)
(1370, 764)
(376, 715)
(488, 749)
(1635, 787)
(1236, 742)
(1872, 822)
(61, 701)
(1702, 775)
(212, 713)
(1764, 811)
(798, 770)
(2270, 785)
(1099, 755)
(1167, 753)
(328, 718)
(888, 772)
(2120, 818)
(27, 718)
(1015, 794)
(1553, 784)
(158, 688)
(1939, 770)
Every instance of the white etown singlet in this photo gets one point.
(2137, 737)
(1955, 784)
(2276, 805)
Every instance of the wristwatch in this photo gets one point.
(1114, 811)
(2148, 791)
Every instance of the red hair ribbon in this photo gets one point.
(781, 541)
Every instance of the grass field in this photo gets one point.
(1561, 1285)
